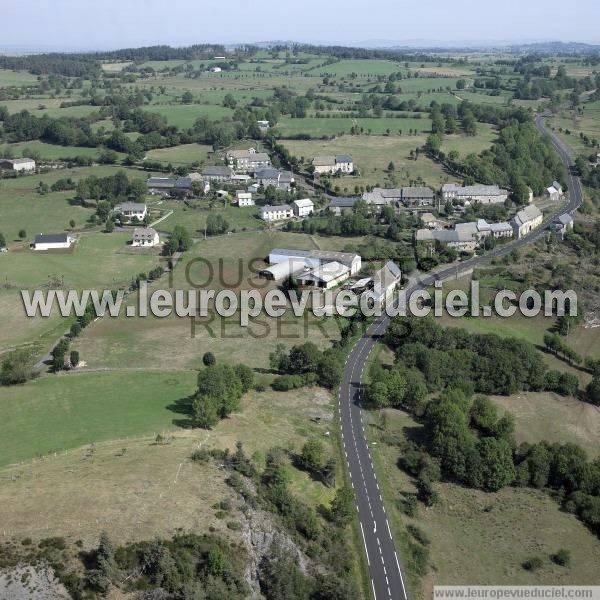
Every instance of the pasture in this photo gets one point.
(371, 155)
(336, 126)
(520, 522)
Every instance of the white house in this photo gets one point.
(303, 208)
(244, 198)
(276, 213)
(132, 210)
(526, 220)
(145, 236)
(52, 241)
(17, 164)
(332, 164)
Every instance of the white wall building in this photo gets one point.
(325, 276)
(483, 194)
(132, 210)
(332, 164)
(276, 213)
(17, 164)
(52, 241)
(145, 237)
(554, 192)
(304, 207)
(244, 198)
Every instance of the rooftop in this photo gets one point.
(51, 238)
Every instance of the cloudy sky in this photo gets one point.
(90, 24)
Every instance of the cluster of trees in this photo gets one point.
(108, 191)
(18, 366)
(566, 469)
(313, 458)
(220, 388)
(305, 364)
(519, 158)
(179, 240)
(484, 363)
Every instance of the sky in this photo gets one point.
(100, 24)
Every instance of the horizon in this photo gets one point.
(114, 25)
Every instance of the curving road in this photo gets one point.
(385, 567)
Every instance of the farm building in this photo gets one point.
(416, 196)
(283, 269)
(332, 164)
(52, 241)
(462, 241)
(17, 164)
(217, 173)
(430, 220)
(276, 213)
(483, 194)
(339, 205)
(383, 196)
(303, 208)
(160, 185)
(145, 237)
(315, 258)
(325, 276)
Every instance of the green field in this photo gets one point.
(52, 151)
(56, 413)
(180, 155)
(185, 115)
(319, 127)
(16, 78)
(194, 219)
(466, 144)
(372, 154)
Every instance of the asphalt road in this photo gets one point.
(385, 566)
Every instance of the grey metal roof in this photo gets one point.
(134, 206)
(343, 158)
(51, 238)
(267, 173)
(217, 171)
(160, 182)
(344, 202)
(288, 252)
(417, 192)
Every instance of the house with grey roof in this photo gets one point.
(342, 163)
(417, 196)
(276, 213)
(247, 160)
(563, 224)
(526, 220)
(145, 237)
(217, 173)
(132, 210)
(339, 205)
(282, 180)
